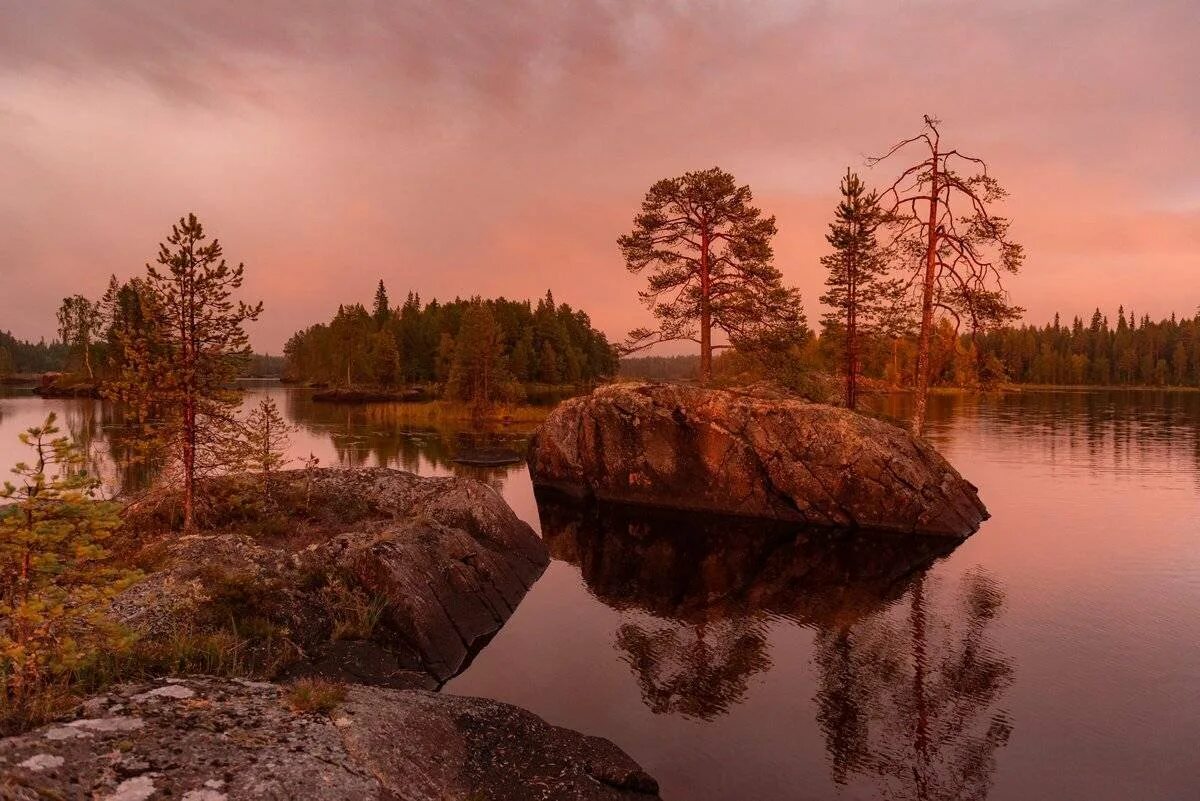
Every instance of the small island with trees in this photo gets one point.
(477, 352)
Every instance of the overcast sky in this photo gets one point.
(501, 147)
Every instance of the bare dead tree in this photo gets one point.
(955, 250)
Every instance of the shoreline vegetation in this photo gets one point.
(425, 404)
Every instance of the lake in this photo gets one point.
(1053, 655)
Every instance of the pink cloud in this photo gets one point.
(459, 148)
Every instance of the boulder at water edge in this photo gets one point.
(749, 453)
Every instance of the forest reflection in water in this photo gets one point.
(910, 693)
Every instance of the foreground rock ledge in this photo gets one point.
(447, 555)
(209, 739)
(744, 453)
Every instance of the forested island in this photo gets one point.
(474, 350)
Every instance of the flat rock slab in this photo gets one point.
(208, 739)
(745, 453)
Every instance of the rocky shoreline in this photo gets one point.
(374, 580)
(200, 738)
(442, 561)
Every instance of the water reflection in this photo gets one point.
(1110, 431)
(909, 684)
(698, 670)
(711, 586)
(340, 435)
(910, 700)
(388, 435)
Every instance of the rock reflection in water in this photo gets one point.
(712, 585)
(910, 698)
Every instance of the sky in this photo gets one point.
(458, 148)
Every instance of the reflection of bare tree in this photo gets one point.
(909, 697)
(695, 670)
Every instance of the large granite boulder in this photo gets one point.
(207, 739)
(744, 453)
(445, 561)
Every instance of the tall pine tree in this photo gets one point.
(707, 249)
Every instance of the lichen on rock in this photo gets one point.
(238, 740)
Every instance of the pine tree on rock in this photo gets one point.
(708, 253)
(859, 294)
(180, 371)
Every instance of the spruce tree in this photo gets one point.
(479, 374)
(382, 311)
(858, 293)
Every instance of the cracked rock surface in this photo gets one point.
(753, 454)
(233, 739)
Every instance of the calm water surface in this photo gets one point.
(1051, 656)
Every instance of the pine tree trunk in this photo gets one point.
(189, 464)
(190, 348)
(705, 313)
(923, 340)
(852, 331)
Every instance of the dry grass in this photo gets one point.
(355, 617)
(454, 412)
(315, 695)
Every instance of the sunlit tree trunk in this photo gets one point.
(927, 287)
(705, 311)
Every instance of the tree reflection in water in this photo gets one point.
(909, 681)
(712, 586)
(694, 670)
(909, 697)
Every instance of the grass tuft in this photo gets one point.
(315, 695)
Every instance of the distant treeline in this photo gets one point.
(20, 356)
(491, 341)
(1095, 352)
(1131, 352)
(264, 366)
(661, 368)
